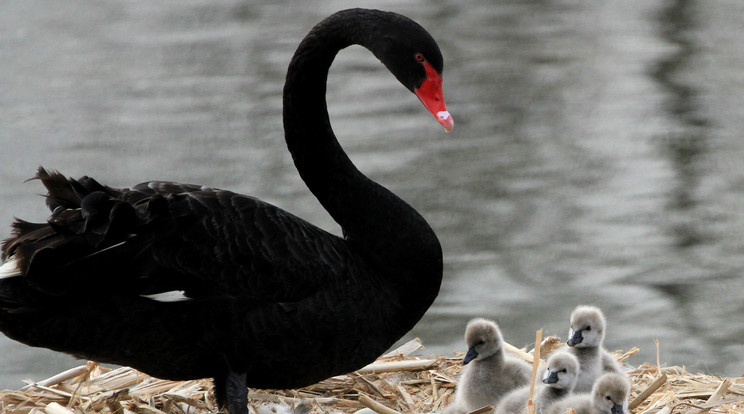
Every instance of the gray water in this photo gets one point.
(596, 156)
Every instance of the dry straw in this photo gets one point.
(396, 383)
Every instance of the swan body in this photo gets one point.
(609, 395)
(586, 336)
(489, 373)
(268, 300)
(558, 382)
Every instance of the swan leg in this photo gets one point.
(232, 393)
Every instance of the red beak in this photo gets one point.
(430, 94)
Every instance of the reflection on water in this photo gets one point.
(596, 157)
(713, 292)
(686, 145)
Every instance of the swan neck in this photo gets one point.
(307, 127)
(389, 231)
(322, 163)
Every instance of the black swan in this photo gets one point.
(270, 301)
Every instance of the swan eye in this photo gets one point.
(608, 398)
(588, 328)
(420, 57)
(564, 370)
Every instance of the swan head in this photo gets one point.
(412, 55)
(587, 327)
(562, 371)
(483, 339)
(610, 394)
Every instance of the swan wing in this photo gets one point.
(159, 237)
(242, 244)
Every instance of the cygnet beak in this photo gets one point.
(575, 339)
(551, 379)
(471, 355)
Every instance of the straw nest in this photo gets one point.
(396, 382)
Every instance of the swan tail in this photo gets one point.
(91, 229)
(10, 279)
(10, 269)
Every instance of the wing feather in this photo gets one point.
(161, 236)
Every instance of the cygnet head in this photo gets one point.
(483, 339)
(587, 327)
(610, 393)
(562, 371)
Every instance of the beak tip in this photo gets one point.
(446, 120)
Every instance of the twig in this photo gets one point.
(62, 376)
(406, 397)
(292, 400)
(720, 391)
(367, 383)
(658, 354)
(54, 408)
(664, 410)
(409, 365)
(374, 405)
(433, 388)
(514, 350)
(404, 350)
(658, 382)
(709, 405)
(146, 409)
(186, 400)
(535, 364)
(628, 354)
(58, 392)
(550, 344)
